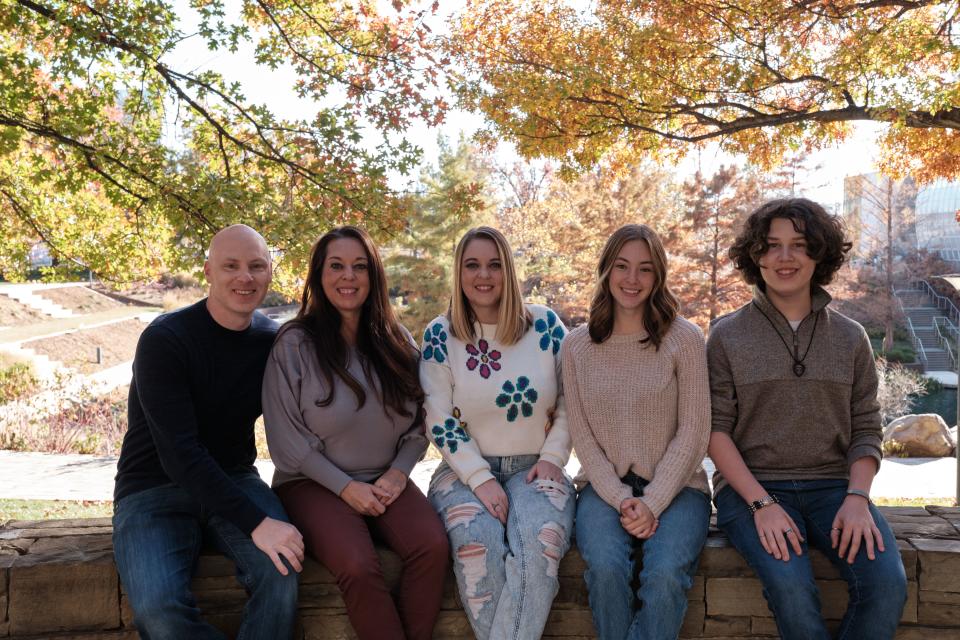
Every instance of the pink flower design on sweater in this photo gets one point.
(484, 357)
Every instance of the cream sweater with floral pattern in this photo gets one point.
(484, 398)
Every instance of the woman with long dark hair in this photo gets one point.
(341, 404)
(635, 380)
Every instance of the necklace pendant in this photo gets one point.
(798, 369)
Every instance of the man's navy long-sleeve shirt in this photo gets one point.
(194, 398)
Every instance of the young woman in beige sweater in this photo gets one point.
(635, 380)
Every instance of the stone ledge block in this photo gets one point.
(909, 558)
(694, 619)
(939, 597)
(939, 564)
(763, 627)
(913, 600)
(935, 614)
(721, 560)
(726, 626)
(735, 597)
(46, 597)
(912, 632)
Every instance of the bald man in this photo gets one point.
(186, 475)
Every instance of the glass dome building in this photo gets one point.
(936, 219)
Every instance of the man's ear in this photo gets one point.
(206, 269)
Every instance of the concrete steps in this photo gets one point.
(26, 295)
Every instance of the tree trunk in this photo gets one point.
(888, 324)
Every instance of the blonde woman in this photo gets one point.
(639, 410)
(491, 374)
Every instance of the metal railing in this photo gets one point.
(947, 337)
(914, 340)
(917, 343)
(942, 303)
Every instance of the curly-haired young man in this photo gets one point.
(796, 429)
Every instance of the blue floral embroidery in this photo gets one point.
(551, 332)
(435, 343)
(518, 397)
(451, 433)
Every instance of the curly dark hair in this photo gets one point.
(826, 242)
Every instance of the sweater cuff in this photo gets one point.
(552, 459)
(316, 467)
(654, 503)
(408, 456)
(479, 478)
(622, 494)
(863, 451)
(250, 520)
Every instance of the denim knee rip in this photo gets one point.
(553, 538)
(473, 563)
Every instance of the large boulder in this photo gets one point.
(922, 436)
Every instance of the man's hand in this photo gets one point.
(852, 524)
(393, 482)
(637, 519)
(364, 498)
(277, 538)
(777, 532)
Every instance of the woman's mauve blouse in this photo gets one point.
(340, 442)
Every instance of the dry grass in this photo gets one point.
(12, 313)
(915, 502)
(78, 349)
(80, 300)
(86, 423)
(176, 298)
(54, 509)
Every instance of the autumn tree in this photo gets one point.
(452, 197)
(88, 95)
(558, 237)
(714, 208)
(579, 82)
(879, 211)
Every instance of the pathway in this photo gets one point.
(44, 476)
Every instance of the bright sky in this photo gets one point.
(275, 88)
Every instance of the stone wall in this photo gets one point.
(57, 580)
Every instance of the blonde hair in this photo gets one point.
(513, 318)
(662, 306)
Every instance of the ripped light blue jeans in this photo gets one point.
(506, 575)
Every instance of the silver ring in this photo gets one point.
(497, 507)
(790, 530)
(836, 529)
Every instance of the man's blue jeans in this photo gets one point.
(157, 537)
(670, 560)
(878, 588)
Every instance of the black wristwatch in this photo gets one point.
(765, 501)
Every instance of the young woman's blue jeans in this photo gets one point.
(878, 588)
(669, 564)
(506, 575)
(157, 536)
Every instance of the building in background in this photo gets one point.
(936, 220)
(879, 212)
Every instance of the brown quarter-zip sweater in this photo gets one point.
(790, 427)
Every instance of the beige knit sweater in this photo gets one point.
(633, 408)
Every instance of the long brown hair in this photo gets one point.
(513, 318)
(383, 343)
(661, 305)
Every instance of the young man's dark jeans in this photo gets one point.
(157, 536)
(878, 588)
